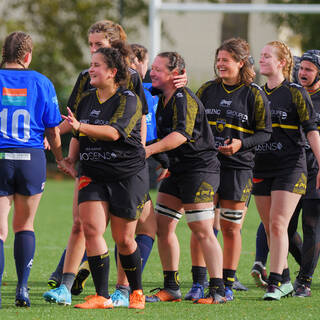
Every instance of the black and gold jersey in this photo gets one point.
(239, 112)
(292, 113)
(184, 113)
(312, 163)
(111, 160)
(83, 84)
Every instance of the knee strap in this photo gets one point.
(165, 211)
(199, 214)
(231, 215)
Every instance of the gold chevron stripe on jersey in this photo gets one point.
(233, 90)
(231, 126)
(300, 102)
(192, 111)
(260, 114)
(120, 111)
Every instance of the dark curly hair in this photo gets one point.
(139, 51)
(116, 57)
(175, 61)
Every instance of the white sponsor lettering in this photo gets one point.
(213, 111)
(15, 156)
(225, 103)
(269, 146)
(100, 122)
(236, 114)
(279, 114)
(95, 113)
(96, 156)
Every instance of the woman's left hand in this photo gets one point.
(73, 122)
(231, 146)
(67, 167)
(180, 80)
(148, 151)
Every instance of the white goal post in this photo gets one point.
(158, 6)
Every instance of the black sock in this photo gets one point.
(229, 277)
(171, 280)
(99, 267)
(306, 280)
(131, 265)
(286, 275)
(218, 285)
(275, 279)
(68, 279)
(199, 274)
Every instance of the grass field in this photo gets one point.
(53, 223)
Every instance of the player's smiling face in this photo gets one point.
(269, 61)
(228, 68)
(307, 73)
(160, 74)
(98, 40)
(100, 73)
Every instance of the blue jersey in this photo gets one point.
(28, 105)
(152, 102)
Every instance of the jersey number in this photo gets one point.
(15, 124)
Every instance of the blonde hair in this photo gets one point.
(111, 30)
(283, 53)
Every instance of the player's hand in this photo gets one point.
(46, 144)
(180, 80)
(66, 167)
(162, 173)
(148, 151)
(73, 122)
(231, 146)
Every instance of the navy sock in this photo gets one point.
(59, 270)
(24, 248)
(215, 231)
(1, 261)
(145, 244)
(262, 248)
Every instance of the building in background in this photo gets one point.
(196, 36)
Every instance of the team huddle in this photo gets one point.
(216, 147)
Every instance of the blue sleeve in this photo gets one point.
(151, 116)
(51, 115)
